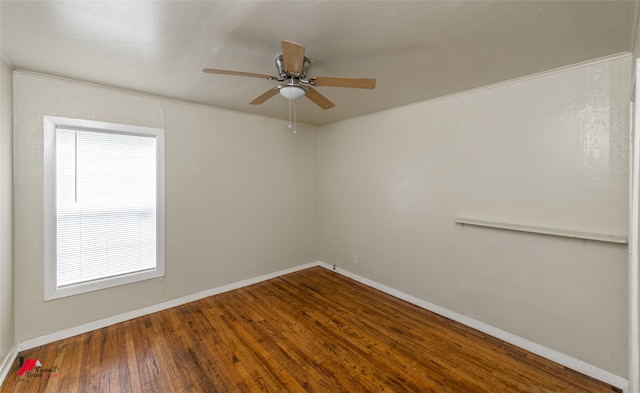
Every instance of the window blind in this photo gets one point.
(106, 204)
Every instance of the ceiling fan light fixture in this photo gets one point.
(292, 92)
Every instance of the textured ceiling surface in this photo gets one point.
(416, 50)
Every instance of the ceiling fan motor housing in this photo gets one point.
(284, 74)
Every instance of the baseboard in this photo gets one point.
(74, 331)
(7, 362)
(548, 353)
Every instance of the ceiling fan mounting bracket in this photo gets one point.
(285, 74)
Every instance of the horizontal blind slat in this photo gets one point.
(106, 204)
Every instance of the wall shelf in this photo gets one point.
(545, 231)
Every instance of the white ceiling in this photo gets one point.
(416, 50)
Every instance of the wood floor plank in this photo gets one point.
(308, 331)
(207, 353)
(355, 330)
(337, 351)
(379, 342)
(294, 349)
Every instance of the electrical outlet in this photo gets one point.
(355, 258)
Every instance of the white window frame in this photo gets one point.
(51, 289)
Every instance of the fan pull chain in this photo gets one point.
(295, 118)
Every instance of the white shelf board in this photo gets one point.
(545, 231)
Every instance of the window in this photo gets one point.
(103, 205)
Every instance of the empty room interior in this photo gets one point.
(319, 196)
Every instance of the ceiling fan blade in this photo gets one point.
(293, 56)
(318, 99)
(358, 83)
(265, 96)
(237, 73)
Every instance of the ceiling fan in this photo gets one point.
(293, 67)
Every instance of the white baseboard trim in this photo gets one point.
(7, 362)
(551, 354)
(538, 349)
(74, 331)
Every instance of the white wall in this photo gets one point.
(634, 264)
(634, 280)
(241, 198)
(6, 214)
(634, 38)
(550, 150)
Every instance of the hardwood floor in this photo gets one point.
(309, 331)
